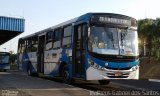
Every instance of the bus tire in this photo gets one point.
(103, 82)
(29, 70)
(65, 74)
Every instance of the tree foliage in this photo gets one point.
(13, 57)
(149, 33)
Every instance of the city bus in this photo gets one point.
(94, 46)
(4, 61)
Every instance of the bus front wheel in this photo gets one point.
(103, 82)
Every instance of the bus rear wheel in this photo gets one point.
(29, 70)
(65, 74)
(103, 82)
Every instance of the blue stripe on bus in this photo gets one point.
(122, 65)
(112, 64)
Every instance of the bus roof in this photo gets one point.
(75, 20)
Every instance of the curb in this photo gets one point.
(154, 80)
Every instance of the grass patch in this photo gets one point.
(149, 69)
(14, 67)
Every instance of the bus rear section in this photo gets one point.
(4, 61)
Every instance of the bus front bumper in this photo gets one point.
(96, 74)
(7, 67)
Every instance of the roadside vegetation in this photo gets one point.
(13, 60)
(149, 45)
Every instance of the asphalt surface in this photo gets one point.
(15, 83)
(138, 84)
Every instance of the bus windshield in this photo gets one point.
(4, 59)
(113, 41)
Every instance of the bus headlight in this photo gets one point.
(90, 62)
(134, 68)
(106, 64)
(95, 65)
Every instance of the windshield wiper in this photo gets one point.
(112, 39)
(110, 36)
(123, 35)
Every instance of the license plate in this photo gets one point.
(118, 74)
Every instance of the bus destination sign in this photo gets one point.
(113, 20)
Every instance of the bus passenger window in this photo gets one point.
(49, 44)
(67, 36)
(57, 39)
(34, 45)
(21, 46)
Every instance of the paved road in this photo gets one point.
(16, 83)
(138, 84)
(12, 84)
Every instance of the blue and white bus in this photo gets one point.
(4, 61)
(94, 46)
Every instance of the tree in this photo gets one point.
(145, 32)
(13, 57)
(149, 32)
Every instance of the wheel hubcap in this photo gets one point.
(66, 74)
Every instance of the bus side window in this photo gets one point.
(34, 43)
(25, 46)
(67, 34)
(57, 38)
(29, 44)
(19, 47)
(49, 40)
(22, 46)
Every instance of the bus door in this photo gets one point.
(40, 54)
(79, 50)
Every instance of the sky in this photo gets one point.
(41, 14)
